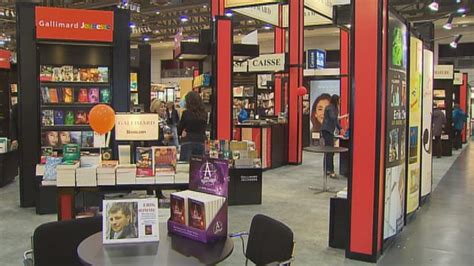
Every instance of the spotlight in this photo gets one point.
(146, 39)
(157, 12)
(449, 24)
(228, 13)
(132, 25)
(184, 19)
(434, 6)
(458, 1)
(461, 10)
(454, 44)
(463, 15)
(267, 27)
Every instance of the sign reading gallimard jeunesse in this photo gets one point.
(267, 63)
(136, 127)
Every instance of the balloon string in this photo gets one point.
(107, 139)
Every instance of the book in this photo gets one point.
(64, 137)
(57, 75)
(67, 73)
(80, 117)
(124, 154)
(99, 140)
(58, 117)
(50, 172)
(46, 73)
(53, 95)
(178, 209)
(164, 160)
(68, 95)
(69, 118)
(83, 96)
(144, 161)
(196, 214)
(103, 74)
(87, 140)
(94, 95)
(76, 137)
(45, 95)
(50, 138)
(104, 95)
(47, 118)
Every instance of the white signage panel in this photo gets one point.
(426, 134)
(267, 13)
(311, 18)
(323, 7)
(443, 72)
(240, 66)
(132, 127)
(457, 78)
(267, 63)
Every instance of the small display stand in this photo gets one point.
(211, 176)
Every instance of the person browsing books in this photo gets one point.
(172, 119)
(438, 121)
(120, 222)
(192, 127)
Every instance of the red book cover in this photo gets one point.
(197, 214)
(53, 95)
(144, 161)
(178, 212)
(83, 96)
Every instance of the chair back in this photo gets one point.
(269, 241)
(56, 243)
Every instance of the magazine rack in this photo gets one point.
(211, 176)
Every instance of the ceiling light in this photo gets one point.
(461, 10)
(458, 1)
(146, 39)
(184, 19)
(434, 6)
(454, 44)
(204, 6)
(449, 24)
(157, 12)
(132, 25)
(228, 13)
(348, 26)
(463, 15)
(267, 27)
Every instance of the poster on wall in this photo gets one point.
(414, 122)
(321, 92)
(396, 119)
(426, 144)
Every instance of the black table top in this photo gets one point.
(171, 250)
(325, 149)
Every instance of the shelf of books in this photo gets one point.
(265, 95)
(244, 93)
(67, 94)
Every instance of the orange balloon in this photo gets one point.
(102, 118)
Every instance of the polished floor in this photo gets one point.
(430, 239)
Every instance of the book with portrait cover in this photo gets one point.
(164, 160)
(80, 117)
(83, 96)
(139, 220)
(94, 95)
(144, 161)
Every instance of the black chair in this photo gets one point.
(56, 243)
(269, 242)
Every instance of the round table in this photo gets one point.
(171, 250)
(325, 150)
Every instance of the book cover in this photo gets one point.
(144, 161)
(106, 154)
(47, 118)
(94, 95)
(87, 139)
(50, 138)
(99, 140)
(69, 118)
(177, 207)
(83, 75)
(53, 95)
(57, 75)
(68, 95)
(103, 74)
(83, 96)
(44, 95)
(46, 73)
(197, 214)
(64, 137)
(76, 75)
(164, 160)
(105, 96)
(58, 117)
(81, 117)
(68, 73)
(76, 137)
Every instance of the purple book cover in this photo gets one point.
(93, 95)
(196, 214)
(209, 175)
(178, 213)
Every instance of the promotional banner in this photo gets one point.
(426, 145)
(74, 24)
(320, 97)
(414, 140)
(395, 139)
(136, 127)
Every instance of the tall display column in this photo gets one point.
(368, 76)
(278, 48)
(295, 107)
(222, 72)
(344, 42)
(463, 103)
(144, 80)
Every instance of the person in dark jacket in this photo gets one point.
(120, 221)
(172, 119)
(459, 118)
(192, 127)
(438, 121)
(330, 124)
(14, 129)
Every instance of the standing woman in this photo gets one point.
(172, 119)
(192, 127)
(330, 123)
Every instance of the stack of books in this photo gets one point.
(106, 173)
(182, 173)
(126, 174)
(86, 176)
(92, 159)
(66, 174)
(164, 162)
(195, 209)
(245, 154)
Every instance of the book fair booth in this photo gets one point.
(82, 140)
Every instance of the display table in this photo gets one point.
(8, 167)
(271, 141)
(171, 250)
(245, 186)
(325, 150)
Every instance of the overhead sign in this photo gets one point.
(266, 13)
(242, 3)
(444, 72)
(133, 127)
(5, 56)
(74, 24)
(267, 63)
(177, 42)
(241, 66)
(457, 78)
(324, 7)
(311, 18)
(316, 58)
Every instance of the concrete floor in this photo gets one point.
(286, 197)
